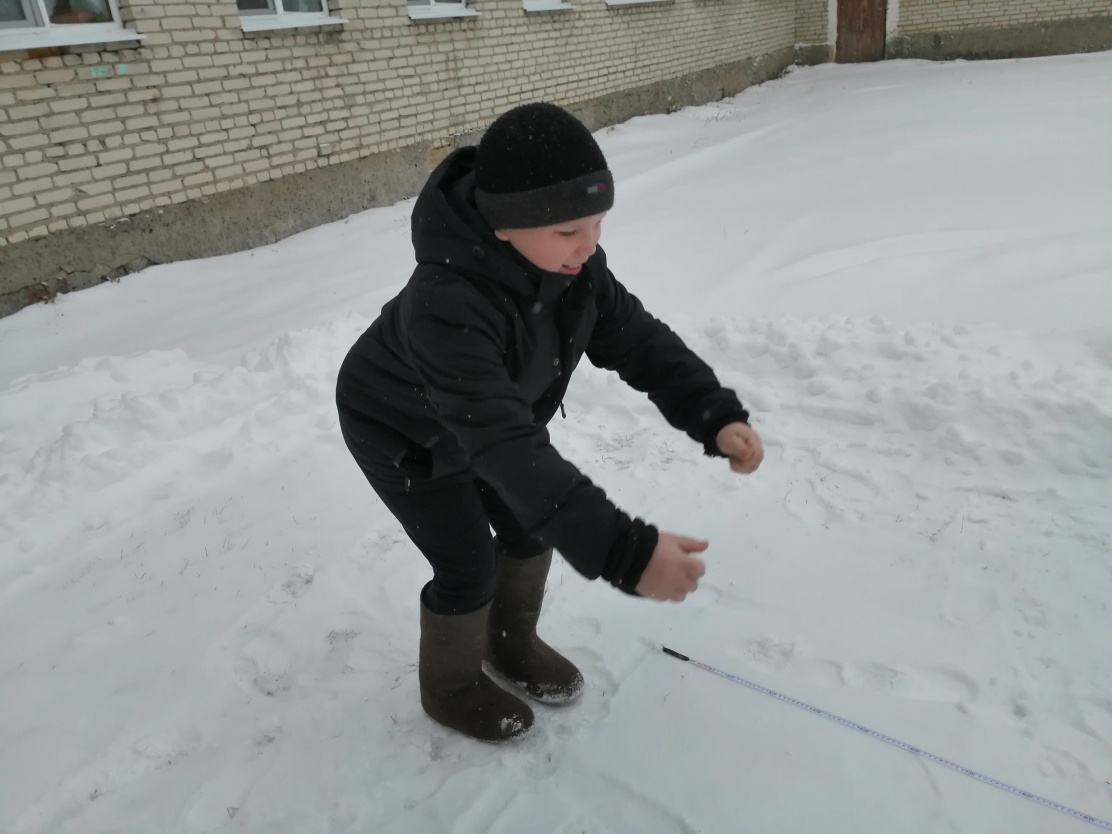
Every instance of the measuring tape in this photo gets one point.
(988, 780)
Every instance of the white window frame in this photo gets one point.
(37, 32)
(546, 6)
(266, 20)
(439, 9)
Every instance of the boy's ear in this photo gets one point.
(501, 235)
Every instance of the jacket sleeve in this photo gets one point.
(651, 358)
(456, 343)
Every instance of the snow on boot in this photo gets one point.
(454, 689)
(516, 652)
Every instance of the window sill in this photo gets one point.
(292, 20)
(541, 6)
(440, 12)
(77, 34)
(635, 2)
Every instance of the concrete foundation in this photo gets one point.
(1092, 34)
(38, 269)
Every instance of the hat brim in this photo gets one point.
(583, 196)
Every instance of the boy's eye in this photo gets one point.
(563, 233)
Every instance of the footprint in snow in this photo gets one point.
(780, 656)
(921, 684)
(1097, 715)
(968, 605)
(579, 631)
(264, 663)
(803, 502)
(125, 762)
(930, 684)
(711, 595)
(294, 586)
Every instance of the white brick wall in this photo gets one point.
(811, 20)
(203, 108)
(928, 16)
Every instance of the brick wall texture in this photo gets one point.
(928, 16)
(200, 107)
(811, 21)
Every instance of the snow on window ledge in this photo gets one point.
(547, 6)
(440, 11)
(634, 2)
(81, 34)
(289, 20)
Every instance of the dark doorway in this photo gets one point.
(861, 28)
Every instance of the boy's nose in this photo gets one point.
(590, 247)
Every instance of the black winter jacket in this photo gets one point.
(462, 371)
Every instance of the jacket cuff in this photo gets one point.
(710, 445)
(630, 555)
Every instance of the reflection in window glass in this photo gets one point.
(13, 11)
(280, 5)
(78, 11)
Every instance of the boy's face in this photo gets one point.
(559, 248)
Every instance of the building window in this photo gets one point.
(28, 24)
(58, 12)
(432, 9)
(544, 6)
(280, 6)
(261, 15)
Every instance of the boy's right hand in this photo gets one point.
(672, 572)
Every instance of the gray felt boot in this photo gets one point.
(454, 689)
(516, 652)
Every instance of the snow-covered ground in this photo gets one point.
(210, 623)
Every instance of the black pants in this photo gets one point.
(452, 529)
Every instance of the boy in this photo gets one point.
(444, 400)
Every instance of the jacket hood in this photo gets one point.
(449, 231)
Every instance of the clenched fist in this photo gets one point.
(672, 572)
(742, 446)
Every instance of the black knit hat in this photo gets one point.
(538, 165)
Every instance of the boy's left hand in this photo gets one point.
(742, 446)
